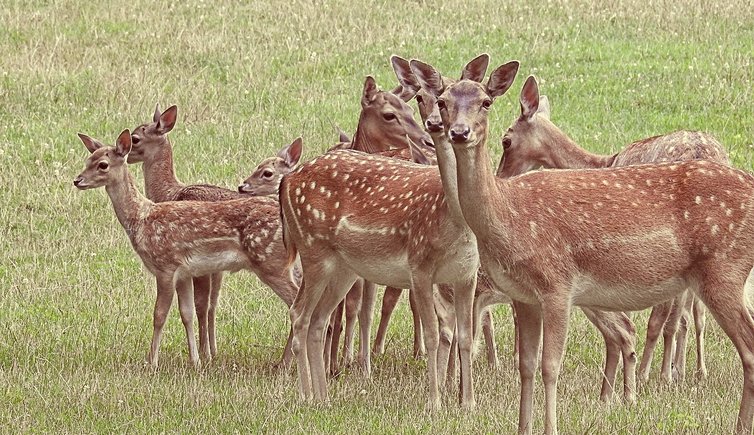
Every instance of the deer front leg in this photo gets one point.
(366, 315)
(679, 357)
(529, 321)
(165, 290)
(202, 292)
(421, 286)
(446, 319)
(699, 323)
(217, 282)
(669, 338)
(555, 314)
(353, 305)
(185, 291)
(463, 297)
(657, 320)
(389, 301)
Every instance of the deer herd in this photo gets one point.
(665, 224)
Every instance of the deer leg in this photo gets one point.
(352, 307)
(333, 339)
(419, 348)
(529, 319)
(668, 335)
(389, 301)
(657, 320)
(463, 298)
(366, 315)
(165, 290)
(422, 289)
(301, 312)
(488, 329)
(555, 312)
(185, 290)
(447, 323)
(699, 323)
(217, 282)
(679, 358)
(602, 321)
(337, 288)
(202, 291)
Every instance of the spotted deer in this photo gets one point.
(265, 179)
(616, 329)
(619, 239)
(180, 240)
(534, 141)
(151, 146)
(349, 215)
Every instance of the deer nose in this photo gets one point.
(433, 126)
(242, 187)
(460, 134)
(78, 181)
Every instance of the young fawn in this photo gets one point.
(177, 241)
(616, 329)
(534, 141)
(152, 147)
(620, 239)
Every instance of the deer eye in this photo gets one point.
(441, 104)
(135, 139)
(506, 142)
(388, 116)
(267, 173)
(486, 103)
(103, 166)
(419, 99)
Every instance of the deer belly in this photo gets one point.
(390, 269)
(217, 256)
(624, 296)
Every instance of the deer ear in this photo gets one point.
(417, 154)
(166, 120)
(370, 91)
(502, 78)
(342, 136)
(123, 143)
(529, 98)
(477, 68)
(544, 106)
(157, 113)
(404, 94)
(291, 154)
(427, 75)
(91, 144)
(405, 76)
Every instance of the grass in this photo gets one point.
(75, 304)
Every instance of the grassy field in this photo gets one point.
(75, 303)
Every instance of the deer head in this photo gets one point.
(265, 180)
(529, 142)
(104, 161)
(149, 138)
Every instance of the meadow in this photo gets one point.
(76, 304)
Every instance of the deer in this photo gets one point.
(617, 239)
(349, 215)
(536, 142)
(265, 179)
(179, 240)
(151, 146)
(616, 329)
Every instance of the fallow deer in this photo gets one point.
(534, 141)
(265, 179)
(152, 147)
(616, 329)
(180, 240)
(620, 239)
(350, 215)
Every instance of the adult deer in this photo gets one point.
(151, 145)
(619, 239)
(616, 329)
(391, 222)
(180, 240)
(534, 141)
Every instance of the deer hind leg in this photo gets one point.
(419, 348)
(657, 320)
(700, 321)
(619, 334)
(332, 343)
(669, 337)
(185, 290)
(217, 282)
(488, 329)
(389, 301)
(725, 299)
(529, 321)
(679, 357)
(165, 290)
(366, 315)
(310, 292)
(602, 321)
(352, 307)
(337, 288)
(202, 291)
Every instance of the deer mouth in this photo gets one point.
(80, 183)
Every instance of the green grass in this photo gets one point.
(75, 303)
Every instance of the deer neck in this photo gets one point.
(160, 183)
(363, 142)
(572, 156)
(127, 201)
(478, 193)
(446, 161)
